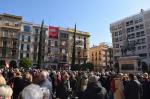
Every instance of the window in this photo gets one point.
(117, 45)
(36, 38)
(127, 23)
(37, 31)
(28, 47)
(116, 33)
(5, 33)
(56, 43)
(137, 27)
(15, 35)
(27, 28)
(131, 22)
(14, 53)
(143, 40)
(4, 43)
(144, 55)
(132, 29)
(49, 42)
(142, 33)
(143, 47)
(128, 30)
(21, 55)
(22, 45)
(138, 34)
(29, 39)
(4, 51)
(141, 26)
(116, 39)
(120, 32)
(22, 37)
(27, 55)
(139, 47)
(14, 44)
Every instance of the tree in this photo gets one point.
(25, 63)
(40, 51)
(73, 49)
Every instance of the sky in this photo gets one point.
(93, 16)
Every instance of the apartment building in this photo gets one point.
(101, 56)
(135, 29)
(82, 46)
(20, 39)
(10, 29)
(26, 41)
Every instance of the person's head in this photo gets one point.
(131, 76)
(32, 91)
(18, 73)
(2, 80)
(5, 92)
(93, 79)
(145, 75)
(28, 77)
(43, 75)
(66, 76)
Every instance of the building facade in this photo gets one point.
(101, 56)
(135, 29)
(10, 29)
(26, 41)
(81, 46)
(20, 39)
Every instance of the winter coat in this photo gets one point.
(64, 90)
(133, 90)
(94, 91)
(146, 89)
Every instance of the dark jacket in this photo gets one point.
(133, 90)
(64, 90)
(146, 89)
(94, 91)
(18, 85)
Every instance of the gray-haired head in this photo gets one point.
(43, 75)
(32, 91)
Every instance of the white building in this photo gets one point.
(137, 29)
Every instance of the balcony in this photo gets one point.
(10, 26)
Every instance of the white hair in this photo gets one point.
(6, 91)
(32, 91)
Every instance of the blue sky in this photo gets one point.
(92, 16)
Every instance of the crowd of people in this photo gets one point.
(65, 84)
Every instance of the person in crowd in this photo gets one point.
(82, 84)
(44, 82)
(57, 83)
(133, 88)
(32, 91)
(2, 80)
(118, 91)
(64, 87)
(16, 84)
(94, 89)
(73, 84)
(146, 86)
(5, 92)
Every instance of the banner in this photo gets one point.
(53, 32)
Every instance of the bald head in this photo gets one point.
(43, 75)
